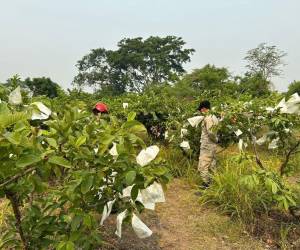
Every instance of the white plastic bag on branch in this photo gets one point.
(261, 140)
(126, 191)
(107, 210)
(292, 106)
(273, 143)
(120, 219)
(141, 230)
(147, 204)
(238, 132)
(185, 145)
(281, 104)
(44, 113)
(148, 196)
(183, 132)
(270, 109)
(194, 121)
(113, 151)
(166, 135)
(153, 194)
(147, 155)
(15, 97)
(241, 144)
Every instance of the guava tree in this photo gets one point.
(60, 174)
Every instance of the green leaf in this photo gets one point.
(7, 120)
(13, 138)
(61, 245)
(269, 184)
(76, 222)
(285, 204)
(134, 192)
(58, 160)
(131, 116)
(130, 177)
(87, 221)
(134, 126)
(27, 160)
(107, 139)
(274, 188)
(81, 140)
(39, 186)
(52, 142)
(86, 184)
(57, 171)
(160, 170)
(291, 200)
(70, 245)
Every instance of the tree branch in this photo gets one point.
(258, 161)
(287, 157)
(16, 177)
(15, 205)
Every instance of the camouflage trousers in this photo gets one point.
(207, 163)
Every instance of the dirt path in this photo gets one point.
(186, 225)
(181, 224)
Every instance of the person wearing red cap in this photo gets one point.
(100, 108)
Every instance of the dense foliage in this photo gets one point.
(134, 65)
(63, 172)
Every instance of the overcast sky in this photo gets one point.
(47, 37)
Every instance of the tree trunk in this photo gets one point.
(15, 205)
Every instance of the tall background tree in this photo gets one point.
(135, 65)
(42, 86)
(294, 87)
(265, 61)
(253, 84)
(208, 77)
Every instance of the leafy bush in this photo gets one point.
(58, 177)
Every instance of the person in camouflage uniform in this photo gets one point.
(208, 148)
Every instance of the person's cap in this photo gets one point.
(101, 107)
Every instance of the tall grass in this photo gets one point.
(233, 194)
(4, 211)
(181, 165)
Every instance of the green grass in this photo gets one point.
(181, 165)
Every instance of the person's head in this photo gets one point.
(100, 108)
(204, 106)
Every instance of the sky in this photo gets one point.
(47, 38)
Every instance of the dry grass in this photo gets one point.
(4, 211)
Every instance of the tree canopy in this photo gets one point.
(265, 60)
(294, 87)
(42, 86)
(135, 64)
(254, 84)
(208, 77)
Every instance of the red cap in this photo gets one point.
(101, 107)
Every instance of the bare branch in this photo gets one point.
(287, 157)
(16, 177)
